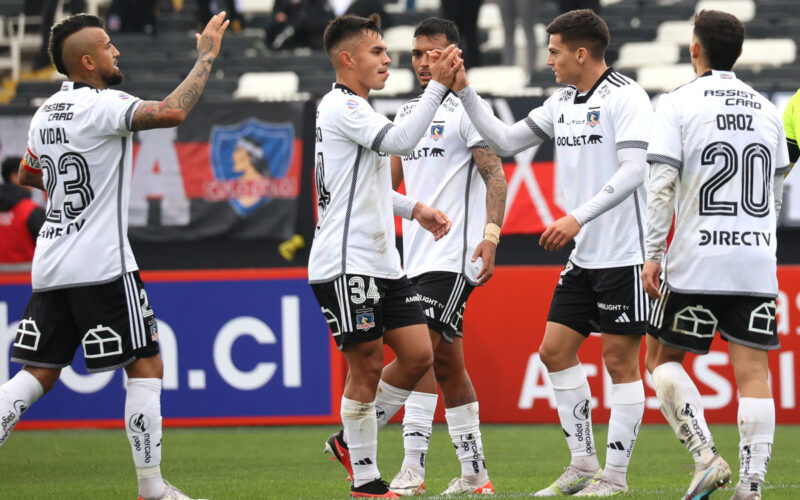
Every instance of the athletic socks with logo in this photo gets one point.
(463, 423)
(682, 406)
(388, 401)
(756, 418)
(627, 409)
(574, 401)
(143, 426)
(417, 427)
(16, 396)
(361, 431)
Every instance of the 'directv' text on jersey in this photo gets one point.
(589, 129)
(80, 140)
(728, 143)
(355, 221)
(441, 173)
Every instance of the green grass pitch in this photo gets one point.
(288, 463)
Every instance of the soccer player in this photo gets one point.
(86, 287)
(453, 169)
(354, 267)
(600, 121)
(717, 155)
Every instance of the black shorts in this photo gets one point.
(113, 322)
(361, 308)
(608, 300)
(443, 297)
(690, 321)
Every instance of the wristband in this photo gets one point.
(492, 233)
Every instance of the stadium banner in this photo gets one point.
(233, 170)
(239, 348)
(250, 347)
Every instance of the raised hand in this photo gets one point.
(210, 40)
(445, 64)
(460, 82)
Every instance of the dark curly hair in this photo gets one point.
(59, 32)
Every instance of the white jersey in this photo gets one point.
(355, 222)
(728, 143)
(80, 139)
(441, 173)
(589, 129)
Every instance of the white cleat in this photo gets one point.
(171, 493)
(747, 491)
(570, 482)
(478, 484)
(409, 481)
(602, 487)
(708, 478)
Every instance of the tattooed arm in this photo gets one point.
(174, 108)
(491, 169)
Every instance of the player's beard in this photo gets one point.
(115, 78)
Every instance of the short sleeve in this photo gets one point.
(30, 160)
(356, 120)
(665, 139)
(114, 112)
(632, 114)
(540, 119)
(470, 135)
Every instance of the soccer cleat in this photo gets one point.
(337, 449)
(478, 484)
(602, 487)
(570, 482)
(747, 491)
(373, 489)
(409, 481)
(708, 478)
(171, 493)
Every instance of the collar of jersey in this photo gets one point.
(75, 85)
(717, 72)
(344, 87)
(581, 99)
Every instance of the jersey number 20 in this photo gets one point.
(753, 156)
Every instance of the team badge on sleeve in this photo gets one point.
(351, 104)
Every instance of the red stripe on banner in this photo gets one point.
(24, 278)
(180, 422)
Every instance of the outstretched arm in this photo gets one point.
(491, 169)
(174, 108)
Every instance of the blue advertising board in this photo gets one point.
(243, 347)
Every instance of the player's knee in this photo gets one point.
(550, 357)
(47, 377)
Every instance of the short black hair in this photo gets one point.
(59, 32)
(10, 166)
(721, 35)
(582, 28)
(437, 26)
(348, 26)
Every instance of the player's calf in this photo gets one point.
(16, 396)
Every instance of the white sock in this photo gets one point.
(417, 427)
(143, 426)
(574, 402)
(757, 430)
(388, 401)
(627, 409)
(16, 396)
(463, 423)
(361, 428)
(682, 406)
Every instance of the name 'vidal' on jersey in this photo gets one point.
(355, 221)
(728, 142)
(441, 172)
(589, 129)
(80, 141)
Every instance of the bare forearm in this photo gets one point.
(491, 170)
(28, 179)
